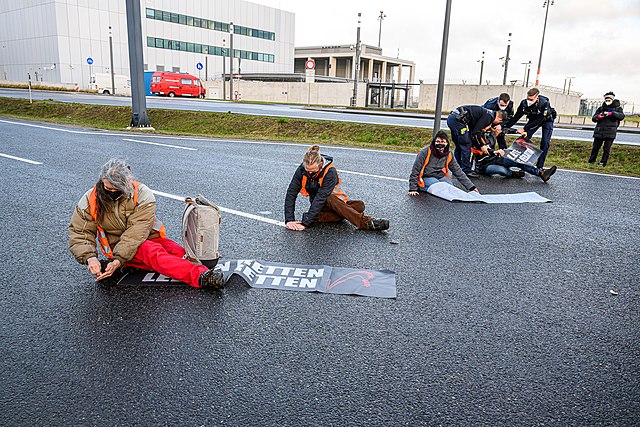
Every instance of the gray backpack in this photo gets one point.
(201, 231)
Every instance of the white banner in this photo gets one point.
(453, 194)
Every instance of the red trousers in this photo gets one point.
(164, 256)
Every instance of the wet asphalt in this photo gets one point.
(504, 314)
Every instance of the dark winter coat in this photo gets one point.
(492, 104)
(317, 195)
(607, 127)
(537, 114)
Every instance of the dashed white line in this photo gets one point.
(227, 210)
(20, 159)
(162, 145)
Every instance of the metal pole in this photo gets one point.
(546, 4)
(569, 88)
(113, 83)
(528, 72)
(564, 88)
(354, 100)
(231, 61)
(30, 98)
(139, 118)
(224, 70)
(443, 64)
(206, 68)
(381, 17)
(506, 61)
(481, 68)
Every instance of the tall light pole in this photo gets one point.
(224, 70)
(231, 61)
(481, 61)
(113, 84)
(525, 78)
(443, 65)
(569, 88)
(546, 4)
(139, 118)
(356, 73)
(380, 18)
(506, 61)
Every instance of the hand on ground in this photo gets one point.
(295, 225)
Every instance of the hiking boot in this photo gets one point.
(517, 174)
(545, 174)
(378, 224)
(212, 279)
(473, 174)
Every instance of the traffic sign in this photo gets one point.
(199, 65)
(89, 60)
(310, 64)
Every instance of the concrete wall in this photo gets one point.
(456, 95)
(338, 94)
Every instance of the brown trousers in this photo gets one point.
(336, 210)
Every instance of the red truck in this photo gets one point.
(176, 84)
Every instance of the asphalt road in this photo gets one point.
(504, 314)
(278, 110)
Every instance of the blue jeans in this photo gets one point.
(547, 130)
(462, 140)
(503, 169)
(429, 181)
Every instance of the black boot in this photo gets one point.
(212, 279)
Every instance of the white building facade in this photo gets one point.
(51, 40)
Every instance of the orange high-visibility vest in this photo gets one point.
(105, 248)
(444, 169)
(337, 191)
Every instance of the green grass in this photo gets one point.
(624, 160)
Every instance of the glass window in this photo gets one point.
(159, 43)
(190, 20)
(211, 25)
(196, 22)
(175, 45)
(151, 42)
(174, 18)
(186, 81)
(189, 47)
(183, 19)
(166, 44)
(166, 16)
(205, 49)
(150, 13)
(261, 57)
(225, 27)
(196, 82)
(158, 15)
(197, 48)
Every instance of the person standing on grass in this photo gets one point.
(607, 118)
(317, 178)
(121, 214)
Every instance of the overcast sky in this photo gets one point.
(597, 42)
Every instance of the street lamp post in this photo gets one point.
(506, 61)
(113, 83)
(481, 61)
(380, 18)
(525, 78)
(443, 64)
(354, 100)
(231, 61)
(224, 70)
(546, 4)
(569, 88)
(139, 118)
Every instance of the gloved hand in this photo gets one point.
(608, 113)
(600, 116)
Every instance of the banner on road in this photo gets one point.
(523, 152)
(291, 277)
(448, 192)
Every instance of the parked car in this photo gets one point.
(176, 84)
(101, 82)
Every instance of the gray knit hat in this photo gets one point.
(610, 95)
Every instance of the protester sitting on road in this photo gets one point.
(468, 122)
(501, 103)
(539, 115)
(317, 178)
(607, 118)
(120, 213)
(435, 163)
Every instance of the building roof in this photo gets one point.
(348, 50)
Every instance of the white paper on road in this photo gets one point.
(453, 194)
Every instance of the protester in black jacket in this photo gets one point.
(504, 103)
(539, 115)
(317, 178)
(607, 118)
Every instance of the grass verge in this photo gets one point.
(624, 160)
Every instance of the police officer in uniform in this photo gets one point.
(501, 103)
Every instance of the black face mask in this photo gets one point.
(114, 194)
(441, 147)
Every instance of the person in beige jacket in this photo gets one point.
(120, 213)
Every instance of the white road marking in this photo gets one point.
(241, 141)
(227, 210)
(20, 159)
(163, 145)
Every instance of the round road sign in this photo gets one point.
(199, 65)
(310, 64)
(89, 60)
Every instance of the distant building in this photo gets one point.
(52, 39)
(338, 61)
